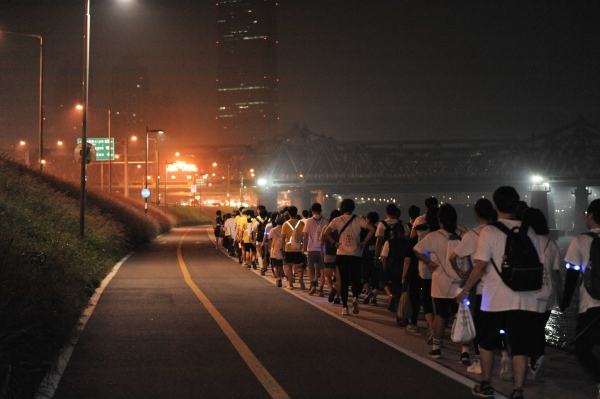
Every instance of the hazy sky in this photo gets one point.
(350, 69)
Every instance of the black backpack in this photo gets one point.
(591, 276)
(521, 267)
(397, 252)
(260, 231)
(387, 233)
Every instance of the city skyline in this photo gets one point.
(352, 71)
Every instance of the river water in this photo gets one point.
(560, 329)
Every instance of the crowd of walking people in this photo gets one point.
(507, 269)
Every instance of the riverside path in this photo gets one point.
(180, 319)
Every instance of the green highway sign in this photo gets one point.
(101, 144)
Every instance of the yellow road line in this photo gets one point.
(264, 377)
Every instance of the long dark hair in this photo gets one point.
(447, 216)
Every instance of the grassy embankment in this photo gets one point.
(48, 273)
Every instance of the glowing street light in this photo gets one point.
(41, 103)
(158, 131)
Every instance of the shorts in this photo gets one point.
(443, 307)
(276, 262)
(315, 257)
(330, 265)
(248, 246)
(217, 233)
(296, 258)
(521, 332)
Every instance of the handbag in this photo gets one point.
(405, 308)
(463, 328)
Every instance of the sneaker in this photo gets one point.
(506, 369)
(337, 301)
(368, 297)
(392, 305)
(332, 294)
(290, 287)
(435, 354)
(355, 306)
(540, 366)
(312, 291)
(248, 267)
(401, 322)
(262, 272)
(465, 359)
(475, 367)
(483, 391)
(374, 302)
(254, 264)
(320, 293)
(302, 286)
(412, 328)
(279, 282)
(516, 395)
(345, 312)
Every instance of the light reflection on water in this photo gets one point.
(560, 328)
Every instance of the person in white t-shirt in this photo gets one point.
(349, 250)
(276, 245)
(552, 288)
(485, 214)
(315, 249)
(433, 251)
(587, 332)
(501, 307)
(420, 221)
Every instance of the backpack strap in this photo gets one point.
(387, 226)
(503, 228)
(347, 224)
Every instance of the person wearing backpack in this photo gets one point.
(504, 304)
(395, 258)
(331, 269)
(434, 250)
(349, 250)
(382, 235)
(314, 248)
(370, 270)
(217, 227)
(583, 263)
(258, 234)
(291, 232)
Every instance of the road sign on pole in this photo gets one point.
(104, 146)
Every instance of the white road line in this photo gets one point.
(50, 382)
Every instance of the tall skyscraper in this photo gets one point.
(129, 98)
(247, 69)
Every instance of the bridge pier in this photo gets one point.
(301, 199)
(539, 200)
(267, 196)
(581, 204)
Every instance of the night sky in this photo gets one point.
(350, 69)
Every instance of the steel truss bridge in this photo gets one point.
(568, 156)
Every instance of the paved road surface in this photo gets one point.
(228, 333)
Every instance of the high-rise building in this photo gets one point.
(247, 69)
(129, 97)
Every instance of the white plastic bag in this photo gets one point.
(463, 328)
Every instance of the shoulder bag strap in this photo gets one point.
(347, 224)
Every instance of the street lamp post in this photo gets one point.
(158, 131)
(41, 104)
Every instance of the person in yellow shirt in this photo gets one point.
(247, 239)
(292, 233)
